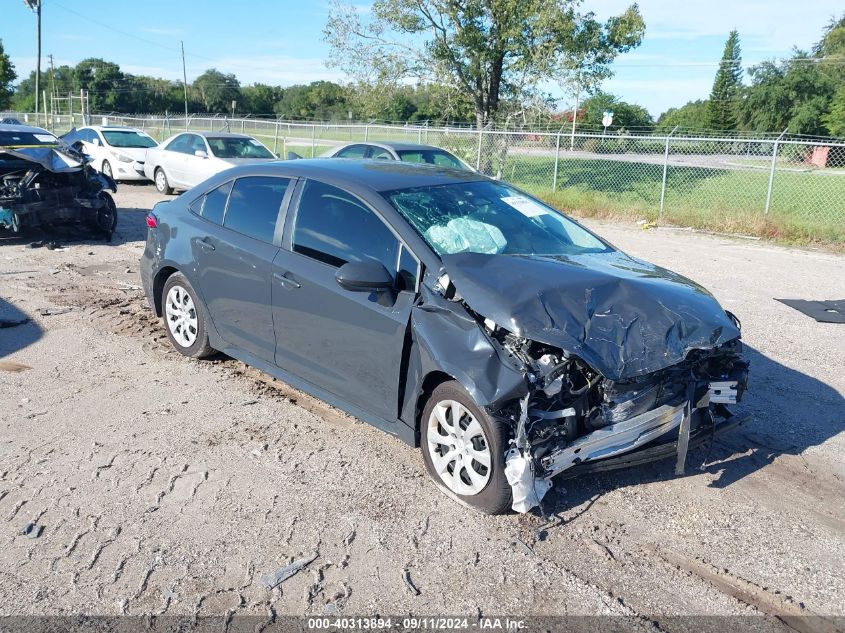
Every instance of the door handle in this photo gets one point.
(287, 281)
(206, 245)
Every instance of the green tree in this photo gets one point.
(497, 53)
(7, 76)
(259, 99)
(721, 107)
(216, 90)
(625, 115)
(104, 82)
(691, 116)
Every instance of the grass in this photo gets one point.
(806, 208)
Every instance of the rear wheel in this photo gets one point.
(162, 186)
(464, 450)
(184, 318)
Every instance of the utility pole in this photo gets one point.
(575, 111)
(52, 76)
(184, 82)
(35, 6)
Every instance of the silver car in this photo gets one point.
(407, 152)
(187, 159)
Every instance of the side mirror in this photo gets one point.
(78, 146)
(201, 153)
(96, 141)
(293, 156)
(366, 276)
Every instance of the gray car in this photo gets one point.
(407, 152)
(186, 159)
(454, 311)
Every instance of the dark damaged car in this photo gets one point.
(507, 341)
(44, 182)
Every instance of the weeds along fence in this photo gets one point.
(777, 185)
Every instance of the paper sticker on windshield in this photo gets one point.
(525, 206)
(45, 138)
(254, 142)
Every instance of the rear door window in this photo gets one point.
(354, 151)
(334, 227)
(212, 206)
(254, 205)
(180, 144)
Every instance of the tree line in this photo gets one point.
(804, 93)
(483, 65)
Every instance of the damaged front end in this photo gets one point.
(623, 362)
(572, 415)
(43, 182)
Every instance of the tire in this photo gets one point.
(184, 318)
(161, 183)
(106, 169)
(480, 438)
(106, 220)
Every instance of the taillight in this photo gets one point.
(152, 221)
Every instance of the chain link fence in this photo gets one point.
(762, 184)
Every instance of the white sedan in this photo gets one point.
(118, 152)
(187, 159)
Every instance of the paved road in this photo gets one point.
(165, 485)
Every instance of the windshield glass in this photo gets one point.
(26, 139)
(491, 218)
(430, 157)
(237, 147)
(128, 138)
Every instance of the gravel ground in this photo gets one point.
(165, 485)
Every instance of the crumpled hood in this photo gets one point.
(622, 316)
(51, 158)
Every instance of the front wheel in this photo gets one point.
(106, 220)
(184, 318)
(162, 186)
(464, 450)
(107, 169)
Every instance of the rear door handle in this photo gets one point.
(287, 281)
(206, 245)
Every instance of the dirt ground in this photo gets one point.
(164, 485)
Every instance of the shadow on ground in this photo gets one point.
(791, 413)
(16, 337)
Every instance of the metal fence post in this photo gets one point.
(772, 171)
(366, 133)
(313, 138)
(276, 139)
(478, 156)
(665, 171)
(557, 160)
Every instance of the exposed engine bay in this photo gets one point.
(44, 182)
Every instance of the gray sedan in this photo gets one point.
(188, 158)
(454, 311)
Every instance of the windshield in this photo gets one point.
(491, 218)
(128, 138)
(237, 147)
(26, 139)
(430, 157)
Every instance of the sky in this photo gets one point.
(280, 42)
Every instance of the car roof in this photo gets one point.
(399, 147)
(8, 127)
(376, 175)
(108, 128)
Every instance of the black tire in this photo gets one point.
(161, 183)
(105, 221)
(496, 496)
(200, 348)
(106, 169)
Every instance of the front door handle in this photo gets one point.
(206, 245)
(287, 281)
